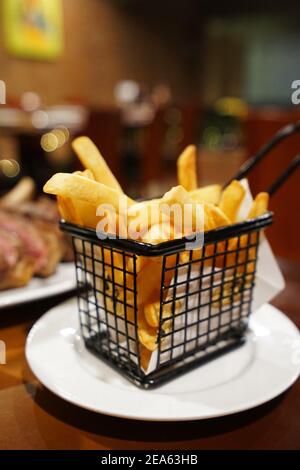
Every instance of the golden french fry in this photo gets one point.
(67, 210)
(92, 159)
(72, 212)
(217, 215)
(211, 193)
(152, 313)
(147, 334)
(145, 356)
(231, 199)
(84, 189)
(259, 205)
(136, 263)
(186, 168)
(140, 217)
(176, 195)
(159, 233)
(86, 173)
(149, 281)
(184, 214)
(238, 254)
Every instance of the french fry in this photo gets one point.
(176, 195)
(92, 159)
(83, 189)
(149, 280)
(231, 199)
(147, 334)
(145, 356)
(186, 168)
(140, 217)
(152, 313)
(148, 322)
(211, 193)
(259, 205)
(86, 173)
(219, 218)
(159, 233)
(67, 210)
(73, 212)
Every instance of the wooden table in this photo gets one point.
(31, 417)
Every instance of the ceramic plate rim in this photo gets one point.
(30, 293)
(101, 409)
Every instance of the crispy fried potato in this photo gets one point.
(219, 218)
(186, 168)
(176, 195)
(92, 159)
(67, 210)
(83, 189)
(141, 216)
(86, 173)
(147, 334)
(73, 212)
(145, 356)
(259, 205)
(159, 233)
(231, 199)
(152, 313)
(188, 211)
(149, 281)
(211, 193)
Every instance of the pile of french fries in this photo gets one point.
(80, 193)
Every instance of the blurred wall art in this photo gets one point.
(33, 29)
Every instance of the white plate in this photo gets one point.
(257, 372)
(62, 281)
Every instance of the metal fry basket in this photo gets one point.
(205, 298)
(202, 297)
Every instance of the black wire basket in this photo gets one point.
(205, 298)
(204, 294)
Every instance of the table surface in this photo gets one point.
(31, 417)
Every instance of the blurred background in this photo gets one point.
(144, 79)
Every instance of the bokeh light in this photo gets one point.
(9, 167)
(126, 91)
(30, 101)
(55, 139)
(40, 119)
(49, 142)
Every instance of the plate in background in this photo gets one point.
(38, 288)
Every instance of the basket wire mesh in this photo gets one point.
(203, 299)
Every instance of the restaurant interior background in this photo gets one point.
(144, 79)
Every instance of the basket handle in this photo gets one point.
(282, 134)
(295, 163)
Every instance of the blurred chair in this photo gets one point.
(260, 126)
(191, 122)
